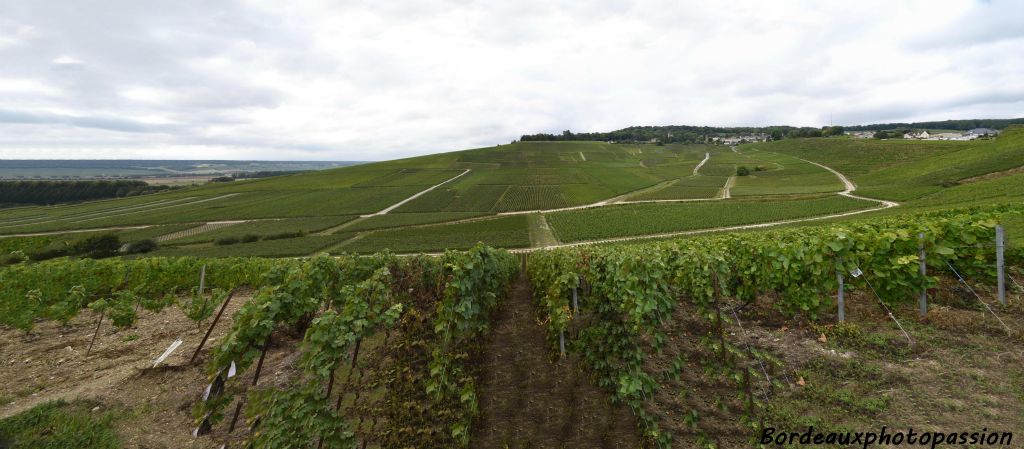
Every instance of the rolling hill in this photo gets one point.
(533, 194)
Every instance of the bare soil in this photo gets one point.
(531, 398)
(962, 373)
(50, 363)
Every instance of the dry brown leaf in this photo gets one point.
(823, 338)
(801, 382)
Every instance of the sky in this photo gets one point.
(377, 80)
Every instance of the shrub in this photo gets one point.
(142, 246)
(226, 241)
(249, 238)
(15, 257)
(48, 253)
(284, 235)
(742, 171)
(97, 246)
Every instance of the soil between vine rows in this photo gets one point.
(529, 398)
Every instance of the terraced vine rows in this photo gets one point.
(627, 294)
(431, 350)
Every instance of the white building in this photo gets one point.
(945, 136)
(978, 132)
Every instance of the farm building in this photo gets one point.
(978, 132)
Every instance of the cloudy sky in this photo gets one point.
(372, 80)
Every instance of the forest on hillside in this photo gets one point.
(53, 192)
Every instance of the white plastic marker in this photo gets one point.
(168, 352)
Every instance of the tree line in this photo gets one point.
(702, 134)
(54, 192)
(956, 125)
(685, 134)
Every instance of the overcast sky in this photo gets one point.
(373, 80)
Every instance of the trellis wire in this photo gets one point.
(905, 334)
(767, 378)
(1014, 281)
(962, 281)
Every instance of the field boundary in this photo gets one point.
(850, 187)
(417, 195)
(696, 170)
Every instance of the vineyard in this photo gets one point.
(389, 351)
(586, 191)
(416, 320)
(653, 218)
(391, 321)
(617, 309)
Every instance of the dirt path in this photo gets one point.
(417, 195)
(75, 231)
(727, 189)
(527, 400)
(696, 169)
(540, 232)
(197, 230)
(709, 230)
(849, 186)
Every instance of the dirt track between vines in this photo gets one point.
(529, 398)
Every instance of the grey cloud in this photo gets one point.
(986, 22)
(365, 79)
(104, 123)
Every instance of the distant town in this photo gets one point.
(972, 134)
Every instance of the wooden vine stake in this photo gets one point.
(561, 342)
(923, 302)
(841, 299)
(95, 332)
(1000, 264)
(212, 325)
(202, 284)
(330, 388)
(255, 380)
(575, 300)
(348, 378)
(202, 279)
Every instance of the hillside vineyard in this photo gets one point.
(538, 294)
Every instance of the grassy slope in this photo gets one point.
(61, 424)
(904, 170)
